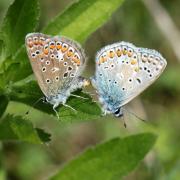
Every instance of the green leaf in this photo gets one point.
(21, 18)
(3, 104)
(17, 128)
(19, 61)
(82, 18)
(108, 161)
(28, 92)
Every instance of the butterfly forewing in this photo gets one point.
(123, 71)
(56, 61)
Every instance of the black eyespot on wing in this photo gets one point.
(138, 80)
(65, 75)
(69, 68)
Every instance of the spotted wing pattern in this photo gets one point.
(56, 61)
(123, 71)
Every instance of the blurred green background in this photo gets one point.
(159, 104)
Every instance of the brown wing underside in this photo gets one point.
(56, 61)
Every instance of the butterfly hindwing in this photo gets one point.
(123, 71)
(56, 61)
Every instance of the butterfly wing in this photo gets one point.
(123, 71)
(56, 61)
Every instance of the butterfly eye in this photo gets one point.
(65, 63)
(64, 47)
(52, 45)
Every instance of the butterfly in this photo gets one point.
(123, 71)
(57, 63)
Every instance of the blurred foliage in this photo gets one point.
(159, 104)
(98, 164)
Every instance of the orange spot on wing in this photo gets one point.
(133, 61)
(136, 69)
(70, 53)
(58, 47)
(102, 59)
(46, 51)
(64, 48)
(30, 44)
(52, 46)
(118, 52)
(111, 54)
(76, 59)
(130, 54)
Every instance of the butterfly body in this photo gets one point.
(57, 63)
(123, 71)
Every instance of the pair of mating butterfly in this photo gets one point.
(122, 70)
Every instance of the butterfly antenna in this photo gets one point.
(143, 120)
(42, 98)
(79, 96)
(125, 125)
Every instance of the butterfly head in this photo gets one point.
(57, 99)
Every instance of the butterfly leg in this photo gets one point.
(69, 107)
(79, 96)
(87, 92)
(54, 108)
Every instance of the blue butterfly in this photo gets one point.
(123, 71)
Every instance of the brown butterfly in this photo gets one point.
(57, 63)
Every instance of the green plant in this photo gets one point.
(78, 21)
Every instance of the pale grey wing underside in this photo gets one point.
(123, 71)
